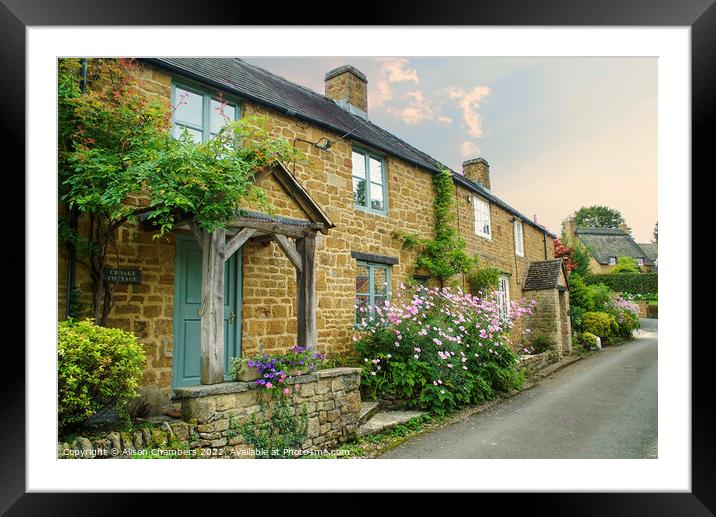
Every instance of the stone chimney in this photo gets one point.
(570, 227)
(348, 86)
(624, 227)
(477, 170)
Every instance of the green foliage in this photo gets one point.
(655, 233)
(626, 265)
(541, 344)
(594, 297)
(280, 430)
(597, 216)
(633, 283)
(444, 256)
(600, 324)
(587, 341)
(579, 254)
(118, 161)
(483, 280)
(98, 369)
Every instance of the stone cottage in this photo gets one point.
(299, 274)
(606, 245)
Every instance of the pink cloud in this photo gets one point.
(469, 149)
(469, 104)
(417, 109)
(391, 71)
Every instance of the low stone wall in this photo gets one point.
(331, 397)
(157, 435)
(537, 361)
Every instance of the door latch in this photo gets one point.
(232, 318)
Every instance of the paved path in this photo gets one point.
(604, 406)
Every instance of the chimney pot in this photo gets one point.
(348, 86)
(477, 170)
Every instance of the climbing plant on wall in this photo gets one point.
(444, 255)
(118, 161)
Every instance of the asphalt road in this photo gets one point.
(604, 406)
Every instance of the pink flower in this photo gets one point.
(286, 391)
(269, 385)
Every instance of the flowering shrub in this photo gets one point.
(626, 314)
(438, 349)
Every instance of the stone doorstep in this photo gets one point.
(383, 420)
(367, 410)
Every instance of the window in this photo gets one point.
(640, 261)
(519, 239)
(421, 280)
(200, 113)
(368, 181)
(503, 295)
(482, 218)
(372, 288)
(612, 261)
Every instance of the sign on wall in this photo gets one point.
(122, 276)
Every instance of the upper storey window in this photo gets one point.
(369, 176)
(200, 113)
(483, 226)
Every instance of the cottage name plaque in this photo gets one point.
(123, 276)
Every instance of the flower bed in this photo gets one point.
(439, 349)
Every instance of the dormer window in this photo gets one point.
(640, 261)
(612, 261)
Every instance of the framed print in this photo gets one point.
(358, 243)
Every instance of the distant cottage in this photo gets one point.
(299, 274)
(606, 245)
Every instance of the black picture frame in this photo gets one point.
(699, 15)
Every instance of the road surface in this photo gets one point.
(604, 406)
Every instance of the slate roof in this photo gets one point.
(610, 242)
(543, 275)
(238, 77)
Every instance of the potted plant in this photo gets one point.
(300, 361)
(244, 369)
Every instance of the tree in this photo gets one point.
(655, 234)
(599, 217)
(565, 253)
(118, 161)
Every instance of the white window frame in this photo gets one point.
(640, 261)
(614, 259)
(480, 217)
(503, 295)
(519, 238)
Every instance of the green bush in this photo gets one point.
(634, 283)
(98, 369)
(626, 265)
(587, 340)
(542, 344)
(600, 324)
(483, 280)
(586, 298)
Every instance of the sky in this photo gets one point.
(558, 133)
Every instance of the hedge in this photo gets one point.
(632, 283)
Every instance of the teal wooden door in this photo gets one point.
(187, 302)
